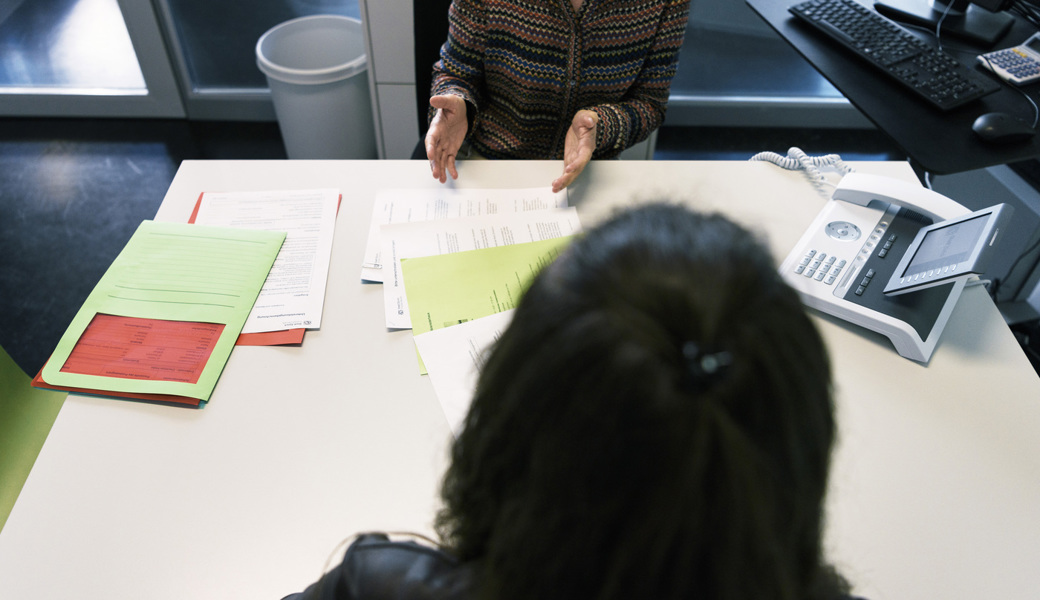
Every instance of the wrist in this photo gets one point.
(471, 115)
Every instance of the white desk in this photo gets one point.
(936, 484)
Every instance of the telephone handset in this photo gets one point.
(864, 238)
(862, 189)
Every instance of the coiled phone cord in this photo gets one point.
(797, 160)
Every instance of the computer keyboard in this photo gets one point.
(929, 72)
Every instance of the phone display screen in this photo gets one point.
(947, 245)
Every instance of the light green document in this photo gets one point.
(174, 272)
(448, 289)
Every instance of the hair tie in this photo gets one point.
(704, 369)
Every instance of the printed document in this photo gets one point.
(407, 206)
(454, 356)
(429, 238)
(449, 289)
(294, 294)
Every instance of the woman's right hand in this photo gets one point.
(446, 134)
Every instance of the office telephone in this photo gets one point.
(853, 260)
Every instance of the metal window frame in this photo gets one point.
(162, 98)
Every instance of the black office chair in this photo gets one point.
(430, 28)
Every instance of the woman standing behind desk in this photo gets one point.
(552, 79)
(656, 422)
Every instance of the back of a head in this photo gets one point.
(655, 423)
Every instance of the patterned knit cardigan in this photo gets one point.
(525, 67)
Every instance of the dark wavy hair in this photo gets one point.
(599, 461)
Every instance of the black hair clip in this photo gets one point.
(704, 369)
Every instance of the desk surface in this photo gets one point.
(935, 489)
(941, 142)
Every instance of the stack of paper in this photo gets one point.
(410, 206)
(293, 296)
(453, 257)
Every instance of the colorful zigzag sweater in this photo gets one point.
(525, 67)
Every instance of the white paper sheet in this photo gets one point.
(453, 357)
(294, 294)
(445, 236)
(406, 206)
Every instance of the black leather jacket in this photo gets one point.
(375, 568)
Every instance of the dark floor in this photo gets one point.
(729, 143)
(72, 192)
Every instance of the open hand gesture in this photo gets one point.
(578, 147)
(446, 134)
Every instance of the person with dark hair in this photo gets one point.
(552, 79)
(656, 422)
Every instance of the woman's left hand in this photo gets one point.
(578, 147)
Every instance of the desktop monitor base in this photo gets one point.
(974, 24)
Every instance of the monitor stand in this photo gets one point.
(964, 20)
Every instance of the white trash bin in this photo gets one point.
(316, 68)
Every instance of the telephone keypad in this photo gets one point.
(820, 267)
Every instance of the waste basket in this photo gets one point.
(316, 68)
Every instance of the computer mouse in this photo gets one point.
(1002, 128)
